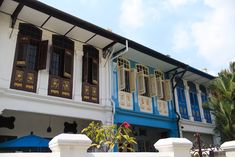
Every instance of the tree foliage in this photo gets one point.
(222, 102)
(105, 137)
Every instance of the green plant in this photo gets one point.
(104, 137)
(222, 103)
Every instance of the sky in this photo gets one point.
(200, 33)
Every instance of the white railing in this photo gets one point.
(76, 145)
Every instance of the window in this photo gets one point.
(126, 76)
(30, 56)
(207, 114)
(163, 86)
(90, 74)
(181, 98)
(194, 101)
(61, 67)
(143, 80)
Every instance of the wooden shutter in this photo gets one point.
(159, 87)
(141, 83)
(42, 56)
(132, 80)
(152, 85)
(95, 71)
(121, 78)
(22, 49)
(68, 64)
(85, 68)
(167, 90)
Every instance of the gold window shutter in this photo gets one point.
(167, 90)
(121, 78)
(141, 84)
(132, 80)
(159, 87)
(152, 85)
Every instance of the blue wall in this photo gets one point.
(194, 102)
(135, 116)
(182, 99)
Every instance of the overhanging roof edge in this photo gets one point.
(201, 73)
(96, 29)
(105, 33)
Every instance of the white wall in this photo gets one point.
(40, 102)
(26, 122)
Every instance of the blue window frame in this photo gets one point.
(207, 113)
(181, 99)
(194, 102)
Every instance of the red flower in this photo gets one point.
(125, 125)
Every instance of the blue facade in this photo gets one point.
(182, 103)
(182, 99)
(194, 102)
(204, 98)
(135, 116)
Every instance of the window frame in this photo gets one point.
(23, 77)
(90, 77)
(125, 65)
(145, 71)
(61, 85)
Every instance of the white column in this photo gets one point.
(103, 81)
(7, 51)
(176, 99)
(105, 93)
(229, 148)
(199, 98)
(72, 145)
(186, 92)
(174, 147)
(77, 79)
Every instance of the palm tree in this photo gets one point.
(222, 102)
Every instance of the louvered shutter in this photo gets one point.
(152, 85)
(85, 68)
(121, 78)
(68, 64)
(95, 71)
(167, 90)
(42, 56)
(22, 50)
(159, 87)
(132, 80)
(141, 84)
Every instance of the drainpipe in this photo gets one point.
(111, 77)
(173, 93)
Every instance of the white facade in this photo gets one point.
(40, 103)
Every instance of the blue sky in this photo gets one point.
(200, 33)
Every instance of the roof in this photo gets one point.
(49, 18)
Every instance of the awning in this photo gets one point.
(29, 141)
